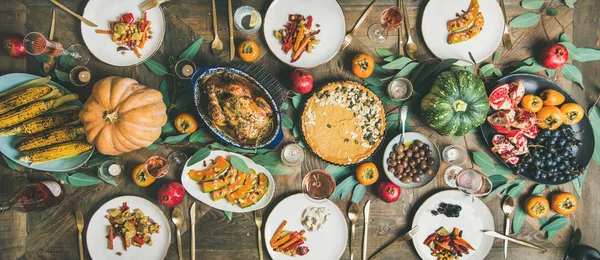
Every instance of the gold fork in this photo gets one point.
(348, 37)
(258, 220)
(145, 6)
(408, 236)
(80, 223)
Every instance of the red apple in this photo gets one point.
(554, 56)
(388, 191)
(13, 44)
(171, 194)
(302, 81)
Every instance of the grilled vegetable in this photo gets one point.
(32, 110)
(27, 96)
(56, 117)
(55, 152)
(50, 137)
(26, 85)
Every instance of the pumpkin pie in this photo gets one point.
(344, 122)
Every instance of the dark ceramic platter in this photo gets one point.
(535, 84)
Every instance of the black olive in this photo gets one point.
(409, 153)
(423, 165)
(414, 148)
(428, 153)
(425, 146)
(430, 161)
(399, 148)
(399, 168)
(392, 169)
(419, 143)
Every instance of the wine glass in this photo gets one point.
(390, 19)
(318, 185)
(176, 160)
(37, 44)
(473, 182)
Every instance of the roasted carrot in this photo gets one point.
(299, 37)
(143, 41)
(98, 31)
(455, 231)
(277, 233)
(282, 240)
(123, 37)
(292, 240)
(110, 237)
(135, 50)
(301, 49)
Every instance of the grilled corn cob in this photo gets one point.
(55, 152)
(32, 110)
(50, 137)
(27, 96)
(56, 117)
(28, 84)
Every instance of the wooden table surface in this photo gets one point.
(52, 234)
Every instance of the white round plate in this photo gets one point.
(327, 243)
(409, 138)
(97, 243)
(474, 218)
(327, 13)
(7, 143)
(102, 12)
(193, 188)
(433, 26)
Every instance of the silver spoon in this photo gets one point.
(353, 213)
(177, 218)
(507, 207)
(403, 115)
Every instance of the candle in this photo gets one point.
(452, 154)
(84, 76)
(292, 154)
(114, 169)
(399, 89)
(187, 70)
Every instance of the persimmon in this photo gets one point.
(552, 97)
(367, 173)
(248, 51)
(362, 65)
(537, 206)
(564, 203)
(572, 113)
(185, 123)
(532, 103)
(141, 177)
(549, 117)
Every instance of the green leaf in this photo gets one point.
(525, 20)
(383, 53)
(543, 221)
(532, 67)
(532, 4)
(228, 214)
(498, 190)
(496, 56)
(82, 179)
(267, 158)
(550, 72)
(111, 182)
(12, 165)
(337, 171)
(572, 73)
(156, 67)
(406, 70)
(391, 58)
(176, 139)
(191, 51)
(62, 76)
(344, 188)
(487, 70)
(231, 148)
(296, 101)
(538, 190)
(557, 224)
(358, 193)
(587, 54)
(63, 176)
(594, 116)
(198, 137)
(516, 190)
(198, 156)
(296, 130)
(578, 183)
(164, 90)
(397, 64)
(472, 58)
(564, 37)
(572, 49)
(284, 107)
(498, 72)
(239, 164)
(378, 70)
(279, 169)
(575, 240)
(518, 220)
(153, 147)
(168, 128)
(97, 159)
(500, 169)
(287, 122)
(483, 160)
(456, 138)
(498, 180)
(570, 3)
(183, 101)
(373, 81)
(551, 11)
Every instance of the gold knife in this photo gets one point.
(506, 36)
(193, 229)
(400, 43)
(49, 64)
(86, 21)
(520, 242)
(231, 41)
(366, 229)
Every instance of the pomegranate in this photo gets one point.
(171, 194)
(13, 44)
(523, 118)
(532, 131)
(302, 81)
(499, 99)
(127, 18)
(388, 191)
(516, 92)
(500, 121)
(553, 56)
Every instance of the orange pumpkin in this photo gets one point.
(121, 115)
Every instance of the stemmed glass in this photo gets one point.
(37, 44)
(473, 182)
(318, 185)
(390, 19)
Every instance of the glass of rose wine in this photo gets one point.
(390, 19)
(473, 182)
(37, 44)
(318, 185)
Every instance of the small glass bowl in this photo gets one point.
(239, 15)
(394, 89)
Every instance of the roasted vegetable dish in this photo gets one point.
(467, 25)
(448, 246)
(288, 242)
(133, 227)
(298, 36)
(129, 34)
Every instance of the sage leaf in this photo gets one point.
(516, 191)
(532, 4)
(496, 56)
(239, 164)
(538, 189)
(153, 147)
(296, 101)
(373, 82)
(551, 11)
(518, 220)
(397, 64)
(344, 188)
(487, 70)
(556, 224)
(111, 182)
(176, 139)
(62, 176)
(284, 107)
(164, 90)
(278, 169)
(156, 67)
(287, 122)
(198, 137)
(532, 66)
(12, 165)
(391, 58)
(543, 221)
(267, 158)
(168, 128)
(550, 72)
(198, 156)
(572, 73)
(594, 116)
(228, 214)
(406, 70)
(191, 51)
(337, 171)
(564, 37)
(183, 101)
(62, 76)
(498, 190)
(572, 49)
(570, 3)
(525, 20)
(483, 160)
(82, 179)
(587, 54)
(498, 180)
(498, 72)
(383, 53)
(358, 193)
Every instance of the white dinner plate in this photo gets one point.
(97, 229)
(326, 13)
(433, 26)
(327, 243)
(102, 12)
(409, 138)
(193, 188)
(473, 219)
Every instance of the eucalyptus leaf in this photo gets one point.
(472, 58)
(498, 72)
(543, 221)
(456, 138)
(532, 4)
(97, 159)
(239, 164)
(267, 158)
(279, 169)
(168, 128)
(373, 82)
(498, 180)
(575, 240)
(406, 70)
(383, 53)
(302, 144)
(516, 191)
(287, 122)
(344, 188)
(62, 176)
(82, 179)
(337, 171)
(487, 70)
(378, 70)
(551, 11)
(12, 165)
(198, 156)
(61, 75)
(397, 64)
(498, 190)
(391, 58)
(231, 148)
(556, 224)
(111, 182)
(176, 139)
(183, 101)
(417, 70)
(572, 49)
(164, 90)
(228, 214)
(296, 130)
(191, 51)
(153, 147)
(564, 37)
(426, 72)
(525, 20)
(538, 189)
(156, 67)
(587, 54)
(570, 3)
(572, 73)
(358, 193)
(296, 101)
(518, 220)
(496, 56)
(594, 116)
(199, 136)
(550, 72)
(483, 160)
(532, 67)
(284, 107)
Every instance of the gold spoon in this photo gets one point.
(507, 207)
(217, 44)
(353, 213)
(177, 218)
(411, 47)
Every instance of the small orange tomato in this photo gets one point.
(537, 206)
(572, 113)
(367, 173)
(532, 103)
(362, 65)
(248, 51)
(552, 97)
(185, 123)
(564, 203)
(141, 177)
(549, 117)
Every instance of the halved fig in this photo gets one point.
(500, 99)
